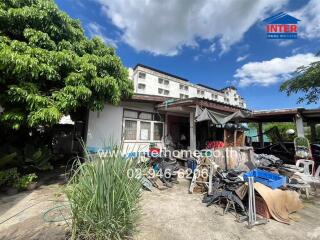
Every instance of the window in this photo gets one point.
(160, 80)
(145, 129)
(184, 87)
(166, 92)
(142, 126)
(130, 114)
(130, 130)
(184, 96)
(160, 90)
(145, 116)
(158, 117)
(166, 82)
(141, 86)
(236, 99)
(200, 92)
(226, 99)
(181, 95)
(157, 131)
(142, 75)
(214, 96)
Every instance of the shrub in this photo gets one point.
(103, 198)
(8, 177)
(23, 182)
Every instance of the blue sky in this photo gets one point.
(216, 43)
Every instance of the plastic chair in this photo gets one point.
(306, 166)
(302, 148)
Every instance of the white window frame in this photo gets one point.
(138, 120)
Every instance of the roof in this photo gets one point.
(281, 18)
(159, 71)
(285, 115)
(148, 98)
(232, 87)
(193, 102)
(205, 86)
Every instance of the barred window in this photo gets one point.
(130, 130)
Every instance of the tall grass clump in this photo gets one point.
(103, 198)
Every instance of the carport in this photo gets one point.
(300, 116)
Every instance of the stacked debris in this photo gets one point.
(272, 196)
(162, 172)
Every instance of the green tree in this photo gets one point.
(307, 80)
(281, 131)
(49, 68)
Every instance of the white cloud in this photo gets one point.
(242, 58)
(272, 71)
(96, 30)
(309, 27)
(285, 43)
(212, 48)
(164, 27)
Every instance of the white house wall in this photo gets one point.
(105, 127)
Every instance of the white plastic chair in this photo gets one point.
(310, 179)
(306, 166)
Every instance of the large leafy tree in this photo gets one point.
(307, 81)
(49, 68)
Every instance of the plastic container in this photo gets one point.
(192, 164)
(269, 179)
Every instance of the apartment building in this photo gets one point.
(151, 81)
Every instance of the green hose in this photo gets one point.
(46, 218)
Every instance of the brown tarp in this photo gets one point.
(280, 203)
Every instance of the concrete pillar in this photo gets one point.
(193, 141)
(299, 126)
(313, 132)
(260, 134)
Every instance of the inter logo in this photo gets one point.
(282, 26)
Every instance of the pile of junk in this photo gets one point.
(161, 171)
(255, 187)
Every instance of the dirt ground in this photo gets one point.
(170, 214)
(176, 214)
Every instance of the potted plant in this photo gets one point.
(27, 182)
